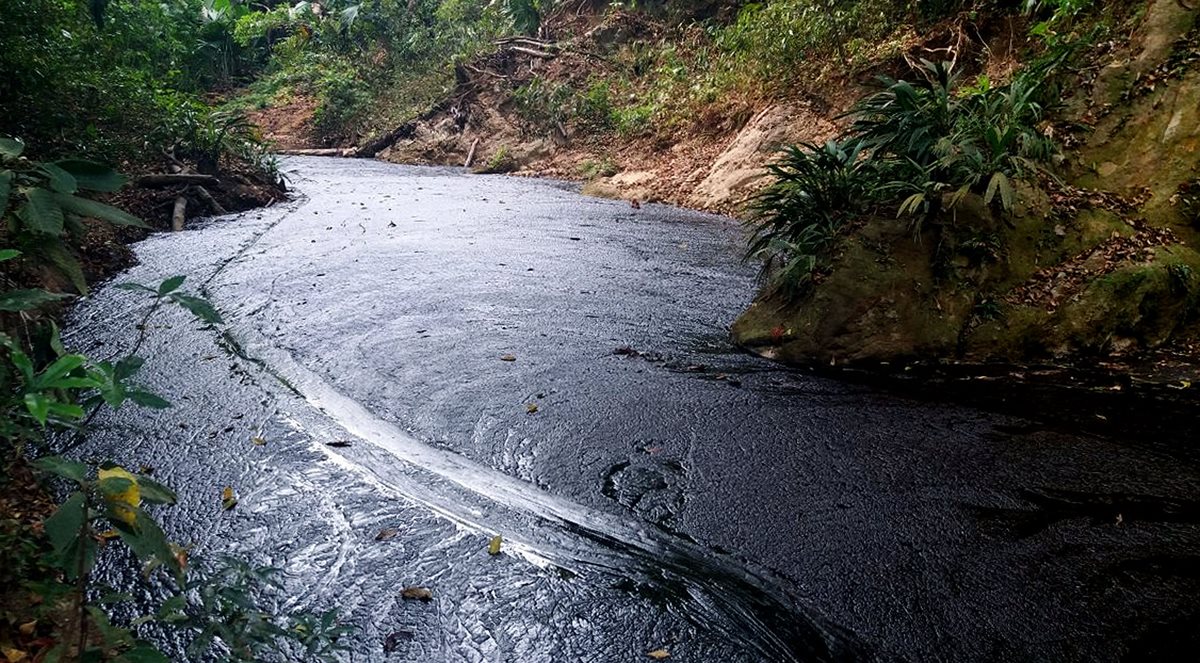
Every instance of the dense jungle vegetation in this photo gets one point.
(91, 89)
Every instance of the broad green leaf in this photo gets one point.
(93, 176)
(6, 178)
(9, 254)
(60, 257)
(171, 285)
(147, 399)
(156, 493)
(24, 300)
(56, 343)
(60, 180)
(38, 406)
(127, 367)
(41, 212)
(147, 540)
(11, 147)
(65, 412)
(199, 307)
(48, 378)
(95, 210)
(21, 361)
(143, 653)
(64, 525)
(70, 469)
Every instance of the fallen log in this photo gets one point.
(178, 216)
(376, 146)
(319, 152)
(172, 179)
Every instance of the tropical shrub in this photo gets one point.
(916, 146)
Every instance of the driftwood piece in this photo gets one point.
(535, 53)
(172, 179)
(471, 153)
(179, 215)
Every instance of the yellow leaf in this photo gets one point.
(531, 408)
(122, 505)
(13, 655)
(228, 498)
(258, 441)
(494, 545)
(659, 654)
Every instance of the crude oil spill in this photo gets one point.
(760, 514)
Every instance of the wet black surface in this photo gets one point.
(666, 491)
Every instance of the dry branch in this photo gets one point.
(172, 179)
(179, 215)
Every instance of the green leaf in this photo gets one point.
(156, 493)
(93, 176)
(170, 285)
(69, 469)
(60, 257)
(60, 180)
(143, 653)
(9, 254)
(148, 542)
(64, 525)
(38, 406)
(10, 147)
(147, 399)
(95, 210)
(199, 307)
(127, 367)
(41, 212)
(6, 178)
(48, 378)
(24, 300)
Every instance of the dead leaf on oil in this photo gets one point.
(416, 594)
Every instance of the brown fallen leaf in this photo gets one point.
(386, 533)
(508, 357)
(28, 627)
(14, 655)
(416, 594)
(659, 654)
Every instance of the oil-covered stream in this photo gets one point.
(497, 355)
